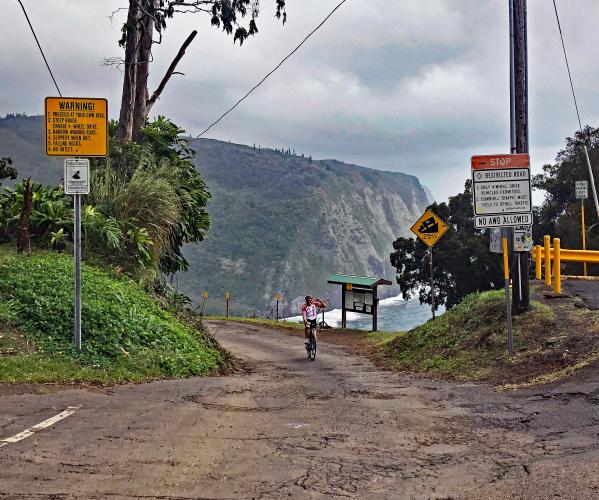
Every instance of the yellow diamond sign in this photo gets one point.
(429, 228)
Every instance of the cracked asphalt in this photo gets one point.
(338, 427)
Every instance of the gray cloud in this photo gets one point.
(411, 85)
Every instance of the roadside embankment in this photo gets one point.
(128, 335)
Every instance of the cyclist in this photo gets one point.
(310, 315)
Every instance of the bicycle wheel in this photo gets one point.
(312, 354)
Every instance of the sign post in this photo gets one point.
(277, 298)
(501, 191)
(76, 126)
(582, 192)
(429, 229)
(76, 183)
(227, 298)
(205, 298)
(506, 277)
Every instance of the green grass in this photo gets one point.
(383, 338)
(127, 335)
(258, 321)
(468, 342)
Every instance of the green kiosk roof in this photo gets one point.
(368, 282)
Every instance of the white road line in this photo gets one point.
(38, 427)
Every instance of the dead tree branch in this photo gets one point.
(170, 71)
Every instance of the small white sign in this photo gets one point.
(76, 176)
(523, 239)
(582, 190)
(506, 220)
(501, 191)
(495, 240)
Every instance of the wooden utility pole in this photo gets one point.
(519, 133)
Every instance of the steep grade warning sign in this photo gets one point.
(429, 228)
(76, 126)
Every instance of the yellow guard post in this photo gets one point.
(557, 286)
(547, 245)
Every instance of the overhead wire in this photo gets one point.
(561, 34)
(40, 47)
(584, 147)
(308, 36)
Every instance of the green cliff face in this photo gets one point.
(283, 223)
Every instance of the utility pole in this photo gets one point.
(519, 132)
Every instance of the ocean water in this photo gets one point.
(395, 314)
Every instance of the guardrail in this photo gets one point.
(549, 258)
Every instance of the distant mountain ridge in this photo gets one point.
(281, 222)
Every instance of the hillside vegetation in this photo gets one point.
(127, 334)
(469, 341)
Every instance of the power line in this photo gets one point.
(567, 64)
(39, 46)
(271, 72)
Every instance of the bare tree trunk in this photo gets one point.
(124, 132)
(143, 69)
(23, 241)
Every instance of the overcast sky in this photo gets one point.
(416, 86)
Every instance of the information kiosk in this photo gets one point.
(358, 294)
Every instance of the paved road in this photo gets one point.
(289, 428)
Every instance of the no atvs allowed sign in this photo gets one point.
(429, 228)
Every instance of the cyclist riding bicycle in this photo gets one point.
(310, 315)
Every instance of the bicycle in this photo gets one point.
(311, 345)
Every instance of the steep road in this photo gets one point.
(285, 427)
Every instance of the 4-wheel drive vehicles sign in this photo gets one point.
(501, 190)
(429, 228)
(76, 126)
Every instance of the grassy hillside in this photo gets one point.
(469, 342)
(127, 335)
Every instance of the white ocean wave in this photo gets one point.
(395, 313)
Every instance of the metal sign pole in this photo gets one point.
(430, 255)
(584, 239)
(77, 258)
(508, 307)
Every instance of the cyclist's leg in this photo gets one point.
(306, 332)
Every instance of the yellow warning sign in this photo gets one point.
(76, 126)
(429, 228)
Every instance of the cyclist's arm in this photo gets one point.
(320, 303)
(304, 316)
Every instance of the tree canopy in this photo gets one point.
(463, 263)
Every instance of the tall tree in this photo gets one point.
(463, 263)
(147, 18)
(559, 214)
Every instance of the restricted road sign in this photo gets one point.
(76, 126)
(429, 228)
(509, 220)
(582, 190)
(76, 176)
(501, 190)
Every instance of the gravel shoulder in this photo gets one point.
(284, 427)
